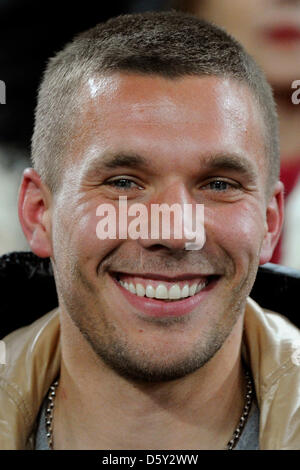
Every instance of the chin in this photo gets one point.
(135, 363)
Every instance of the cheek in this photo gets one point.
(75, 234)
(238, 229)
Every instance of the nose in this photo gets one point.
(175, 221)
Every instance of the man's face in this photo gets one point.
(155, 140)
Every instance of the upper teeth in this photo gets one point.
(162, 292)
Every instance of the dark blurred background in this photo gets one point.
(30, 32)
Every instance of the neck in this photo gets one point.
(123, 414)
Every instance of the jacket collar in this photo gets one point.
(32, 364)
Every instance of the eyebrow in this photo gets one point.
(112, 161)
(222, 161)
(232, 162)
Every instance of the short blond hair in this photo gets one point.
(171, 44)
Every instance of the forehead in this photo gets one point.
(161, 117)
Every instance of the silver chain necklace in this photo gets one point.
(230, 446)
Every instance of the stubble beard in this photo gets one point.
(115, 350)
(133, 363)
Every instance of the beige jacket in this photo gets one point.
(271, 346)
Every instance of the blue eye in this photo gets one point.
(123, 183)
(219, 185)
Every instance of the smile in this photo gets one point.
(158, 296)
(162, 290)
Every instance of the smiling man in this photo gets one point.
(153, 345)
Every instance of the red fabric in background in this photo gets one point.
(289, 174)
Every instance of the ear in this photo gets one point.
(274, 222)
(35, 213)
